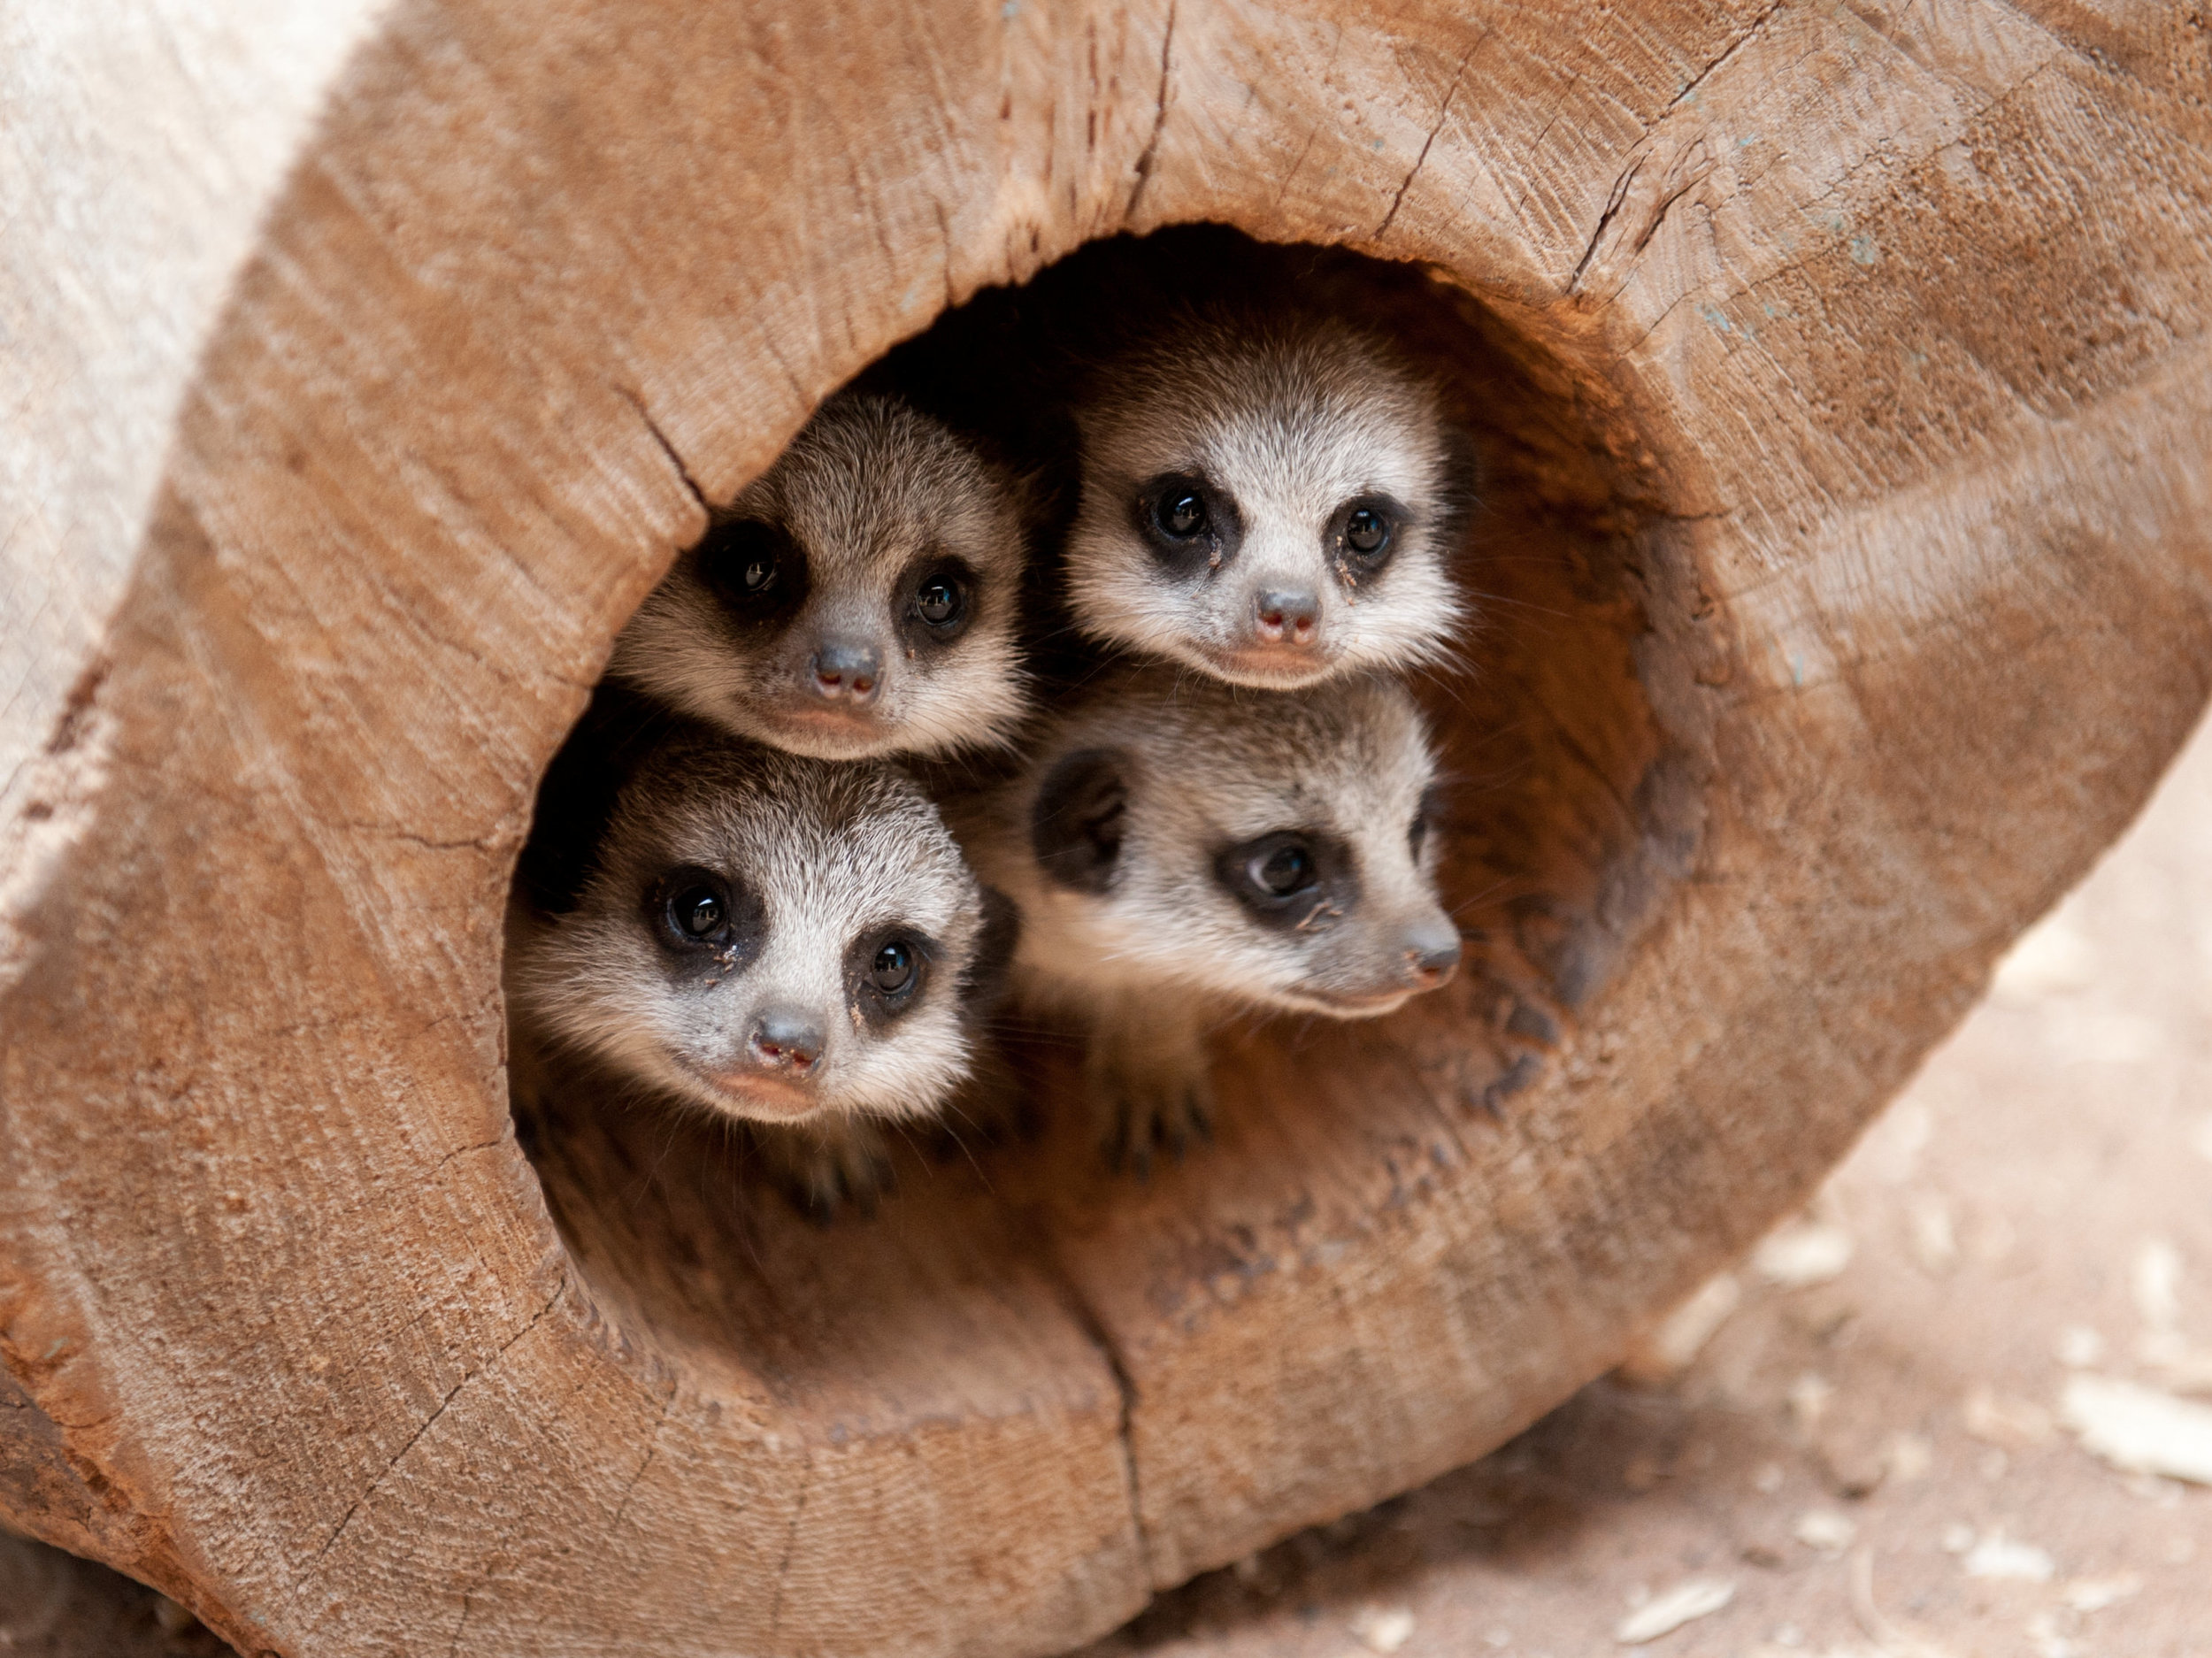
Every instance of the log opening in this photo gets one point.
(1569, 812)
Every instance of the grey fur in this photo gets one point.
(1290, 423)
(875, 496)
(836, 857)
(1150, 942)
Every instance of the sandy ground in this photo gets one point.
(1873, 1437)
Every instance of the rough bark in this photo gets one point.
(1843, 371)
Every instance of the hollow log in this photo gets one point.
(1840, 373)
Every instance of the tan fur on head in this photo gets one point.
(1180, 847)
(816, 869)
(1280, 433)
(835, 655)
(1121, 874)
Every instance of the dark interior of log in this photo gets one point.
(1567, 815)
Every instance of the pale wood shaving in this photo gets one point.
(2140, 1428)
(1688, 1600)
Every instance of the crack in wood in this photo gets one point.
(1636, 159)
(376, 1485)
(1093, 1329)
(1159, 117)
(1443, 113)
(462, 1151)
(1694, 175)
(652, 1450)
(1715, 65)
(666, 447)
(790, 1550)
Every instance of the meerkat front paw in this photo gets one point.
(1144, 1109)
(836, 1168)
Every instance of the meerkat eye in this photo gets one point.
(888, 971)
(1298, 879)
(1366, 531)
(1190, 525)
(1368, 528)
(695, 911)
(699, 912)
(1417, 836)
(941, 601)
(1181, 512)
(893, 969)
(704, 917)
(747, 563)
(938, 607)
(1282, 871)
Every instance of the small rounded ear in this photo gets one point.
(1075, 827)
(983, 985)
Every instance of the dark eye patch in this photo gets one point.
(1077, 824)
(1364, 532)
(702, 918)
(886, 969)
(1189, 525)
(936, 600)
(756, 569)
(1294, 879)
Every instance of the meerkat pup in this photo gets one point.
(1180, 849)
(1269, 500)
(782, 941)
(860, 598)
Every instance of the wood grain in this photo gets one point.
(1842, 373)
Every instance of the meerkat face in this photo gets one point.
(1270, 508)
(860, 598)
(1259, 848)
(768, 937)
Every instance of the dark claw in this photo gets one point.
(830, 1186)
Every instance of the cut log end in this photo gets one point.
(1840, 592)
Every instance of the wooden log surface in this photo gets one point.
(1842, 373)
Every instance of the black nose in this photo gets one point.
(1432, 955)
(846, 671)
(1285, 618)
(783, 1041)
